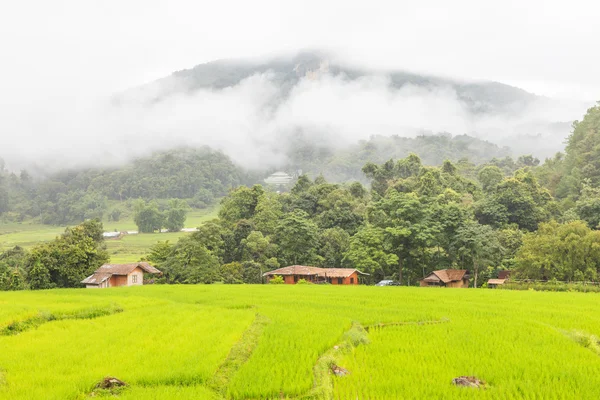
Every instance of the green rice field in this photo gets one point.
(129, 248)
(282, 341)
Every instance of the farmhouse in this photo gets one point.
(455, 278)
(110, 275)
(335, 276)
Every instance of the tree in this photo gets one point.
(191, 262)
(240, 204)
(147, 217)
(490, 177)
(176, 215)
(333, 244)
(369, 252)
(518, 200)
(564, 252)
(232, 272)
(268, 213)
(69, 258)
(39, 277)
(588, 206)
(297, 237)
(478, 246)
(257, 248)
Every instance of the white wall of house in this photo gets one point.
(136, 278)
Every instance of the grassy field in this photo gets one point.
(127, 249)
(279, 341)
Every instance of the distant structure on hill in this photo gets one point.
(279, 178)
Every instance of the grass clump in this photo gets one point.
(590, 342)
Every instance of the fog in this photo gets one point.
(253, 121)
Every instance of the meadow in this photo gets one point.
(129, 248)
(280, 341)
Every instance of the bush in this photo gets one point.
(303, 282)
(276, 280)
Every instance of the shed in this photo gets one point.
(110, 275)
(335, 276)
(492, 283)
(455, 278)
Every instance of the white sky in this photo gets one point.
(52, 49)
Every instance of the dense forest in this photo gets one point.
(200, 176)
(539, 221)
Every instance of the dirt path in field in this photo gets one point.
(326, 366)
(238, 355)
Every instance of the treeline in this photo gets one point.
(61, 263)
(198, 175)
(346, 164)
(538, 221)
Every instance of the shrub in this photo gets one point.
(276, 280)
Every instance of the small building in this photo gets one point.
(279, 178)
(504, 274)
(334, 276)
(110, 275)
(493, 283)
(454, 278)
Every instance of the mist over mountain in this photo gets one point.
(254, 110)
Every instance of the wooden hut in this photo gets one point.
(454, 278)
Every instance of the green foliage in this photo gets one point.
(67, 260)
(565, 252)
(147, 217)
(175, 215)
(588, 206)
(297, 237)
(276, 280)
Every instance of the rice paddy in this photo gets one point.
(281, 341)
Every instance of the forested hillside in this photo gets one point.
(346, 164)
(288, 71)
(201, 175)
(415, 219)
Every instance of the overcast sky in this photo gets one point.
(60, 59)
(64, 48)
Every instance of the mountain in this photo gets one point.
(480, 97)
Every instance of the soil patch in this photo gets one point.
(468, 381)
